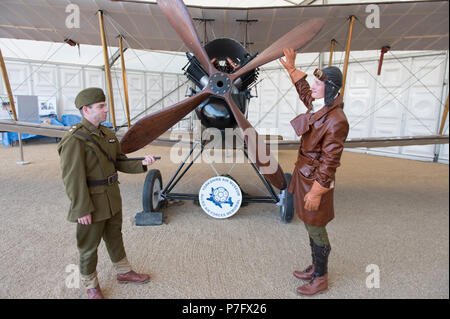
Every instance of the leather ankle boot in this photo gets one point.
(133, 277)
(307, 274)
(316, 285)
(319, 281)
(95, 293)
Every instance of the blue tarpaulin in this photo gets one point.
(70, 119)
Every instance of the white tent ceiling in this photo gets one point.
(172, 62)
(421, 25)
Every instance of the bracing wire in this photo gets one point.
(114, 23)
(48, 59)
(307, 69)
(398, 60)
(392, 94)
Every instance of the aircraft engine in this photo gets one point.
(227, 55)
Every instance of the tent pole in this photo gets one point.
(107, 71)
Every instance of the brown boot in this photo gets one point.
(132, 277)
(316, 285)
(306, 274)
(95, 293)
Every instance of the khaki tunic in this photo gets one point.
(81, 160)
(322, 141)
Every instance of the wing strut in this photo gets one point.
(347, 53)
(444, 117)
(107, 70)
(11, 103)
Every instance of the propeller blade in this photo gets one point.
(180, 19)
(266, 163)
(296, 39)
(152, 126)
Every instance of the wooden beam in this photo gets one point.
(125, 84)
(347, 53)
(12, 104)
(8, 86)
(107, 70)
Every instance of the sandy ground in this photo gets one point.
(392, 215)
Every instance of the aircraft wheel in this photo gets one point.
(150, 193)
(287, 209)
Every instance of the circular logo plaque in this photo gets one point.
(220, 197)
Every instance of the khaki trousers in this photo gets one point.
(88, 239)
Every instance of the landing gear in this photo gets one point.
(150, 193)
(155, 197)
(287, 202)
(151, 202)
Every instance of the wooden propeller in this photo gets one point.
(152, 126)
(180, 20)
(295, 39)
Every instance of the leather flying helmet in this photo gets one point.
(332, 77)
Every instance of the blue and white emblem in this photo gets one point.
(220, 197)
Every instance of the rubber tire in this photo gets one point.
(287, 212)
(148, 203)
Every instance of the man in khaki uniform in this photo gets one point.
(90, 156)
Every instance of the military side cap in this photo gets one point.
(89, 96)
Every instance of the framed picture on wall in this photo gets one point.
(5, 108)
(47, 105)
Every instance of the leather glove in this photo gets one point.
(289, 65)
(290, 55)
(313, 197)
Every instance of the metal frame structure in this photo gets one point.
(166, 194)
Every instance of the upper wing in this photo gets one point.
(405, 25)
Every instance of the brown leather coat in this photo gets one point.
(322, 141)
